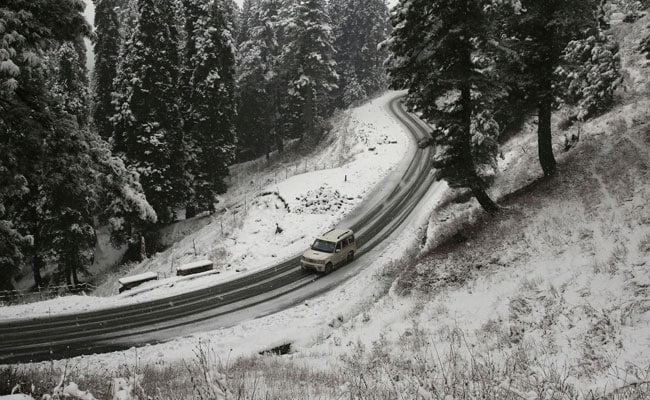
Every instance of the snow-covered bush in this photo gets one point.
(589, 74)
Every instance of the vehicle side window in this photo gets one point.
(338, 245)
(351, 239)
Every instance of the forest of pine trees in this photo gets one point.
(182, 89)
(467, 62)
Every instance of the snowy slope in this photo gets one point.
(303, 197)
(547, 300)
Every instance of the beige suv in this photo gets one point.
(329, 250)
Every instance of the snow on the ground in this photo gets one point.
(317, 318)
(276, 220)
(557, 290)
(555, 293)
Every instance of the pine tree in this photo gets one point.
(212, 109)
(53, 180)
(68, 79)
(243, 32)
(307, 57)
(440, 51)
(359, 26)
(106, 49)
(65, 210)
(27, 111)
(589, 74)
(147, 123)
(538, 32)
(260, 82)
(121, 203)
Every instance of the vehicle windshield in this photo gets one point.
(324, 246)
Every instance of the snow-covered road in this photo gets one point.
(399, 175)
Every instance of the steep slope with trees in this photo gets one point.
(537, 33)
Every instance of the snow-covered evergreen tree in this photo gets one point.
(245, 16)
(358, 27)
(260, 82)
(307, 59)
(28, 111)
(52, 181)
(106, 49)
(440, 51)
(537, 32)
(68, 79)
(209, 120)
(147, 123)
(121, 203)
(589, 74)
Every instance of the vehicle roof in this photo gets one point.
(335, 235)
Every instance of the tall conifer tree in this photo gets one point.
(308, 61)
(359, 26)
(209, 120)
(106, 49)
(28, 111)
(147, 123)
(538, 32)
(439, 51)
(260, 82)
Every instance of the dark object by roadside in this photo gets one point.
(425, 142)
(570, 142)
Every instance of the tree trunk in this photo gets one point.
(308, 112)
(277, 132)
(484, 200)
(477, 190)
(38, 262)
(68, 276)
(75, 278)
(545, 138)
(190, 211)
(550, 57)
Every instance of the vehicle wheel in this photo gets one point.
(350, 256)
(328, 268)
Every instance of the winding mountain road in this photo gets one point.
(64, 336)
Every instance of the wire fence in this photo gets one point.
(244, 179)
(13, 297)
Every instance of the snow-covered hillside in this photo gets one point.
(547, 300)
(302, 196)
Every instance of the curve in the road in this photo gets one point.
(92, 332)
